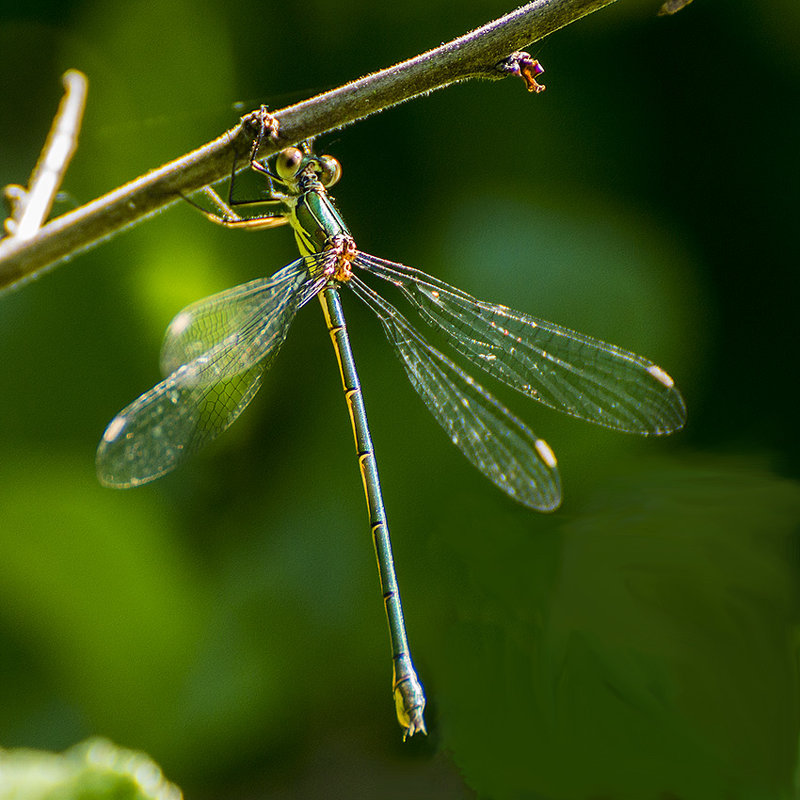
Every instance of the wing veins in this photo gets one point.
(559, 367)
(502, 447)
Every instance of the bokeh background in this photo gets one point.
(642, 642)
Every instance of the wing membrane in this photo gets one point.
(502, 447)
(217, 351)
(239, 318)
(561, 368)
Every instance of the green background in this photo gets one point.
(640, 643)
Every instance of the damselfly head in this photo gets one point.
(292, 162)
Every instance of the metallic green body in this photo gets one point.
(317, 225)
(314, 220)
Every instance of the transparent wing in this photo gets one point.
(240, 316)
(160, 429)
(502, 447)
(561, 368)
(220, 349)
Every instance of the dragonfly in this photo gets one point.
(216, 351)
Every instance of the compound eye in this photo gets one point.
(330, 170)
(288, 163)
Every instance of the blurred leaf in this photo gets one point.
(93, 770)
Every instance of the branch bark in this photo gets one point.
(475, 55)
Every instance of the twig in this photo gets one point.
(30, 207)
(479, 54)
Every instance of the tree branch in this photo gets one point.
(478, 54)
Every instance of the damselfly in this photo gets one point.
(217, 350)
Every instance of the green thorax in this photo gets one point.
(315, 220)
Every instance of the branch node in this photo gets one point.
(522, 65)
